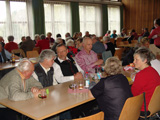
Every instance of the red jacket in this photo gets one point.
(43, 44)
(145, 81)
(11, 46)
(156, 31)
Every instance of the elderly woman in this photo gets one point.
(147, 79)
(71, 48)
(111, 92)
(108, 45)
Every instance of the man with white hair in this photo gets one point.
(87, 59)
(19, 85)
(43, 70)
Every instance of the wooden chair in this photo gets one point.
(97, 116)
(119, 39)
(32, 54)
(118, 53)
(154, 104)
(134, 41)
(36, 49)
(119, 44)
(18, 51)
(112, 40)
(132, 108)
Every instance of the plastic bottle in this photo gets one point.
(99, 72)
(87, 80)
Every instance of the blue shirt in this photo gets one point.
(98, 47)
(8, 55)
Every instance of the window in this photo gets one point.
(57, 18)
(90, 17)
(114, 18)
(14, 20)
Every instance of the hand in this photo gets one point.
(78, 76)
(35, 89)
(99, 62)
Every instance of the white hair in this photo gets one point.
(46, 54)
(70, 42)
(24, 65)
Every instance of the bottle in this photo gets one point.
(87, 80)
(95, 76)
(13, 58)
(99, 72)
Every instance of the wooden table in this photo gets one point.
(127, 45)
(8, 65)
(57, 101)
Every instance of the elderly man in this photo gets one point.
(66, 68)
(19, 85)
(43, 70)
(86, 58)
(97, 47)
(11, 45)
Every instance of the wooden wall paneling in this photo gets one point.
(140, 13)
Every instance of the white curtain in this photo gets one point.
(57, 18)
(18, 19)
(114, 18)
(90, 19)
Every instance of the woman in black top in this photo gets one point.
(111, 92)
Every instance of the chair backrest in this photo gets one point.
(32, 54)
(134, 41)
(119, 39)
(132, 107)
(112, 40)
(36, 49)
(154, 104)
(18, 51)
(97, 116)
(118, 53)
(106, 55)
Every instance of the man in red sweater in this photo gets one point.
(11, 45)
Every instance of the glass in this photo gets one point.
(43, 94)
(81, 85)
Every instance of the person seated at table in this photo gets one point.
(97, 46)
(43, 71)
(51, 40)
(58, 41)
(109, 45)
(68, 36)
(133, 36)
(146, 43)
(2, 41)
(23, 38)
(72, 51)
(43, 43)
(11, 45)
(87, 34)
(36, 38)
(87, 59)
(19, 85)
(112, 91)
(79, 44)
(113, 35)
(65, 67)
(108, 33)
(27, 45)
(147, 79)
(5, 55)
(123, 32)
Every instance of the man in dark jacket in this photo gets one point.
(43, 70)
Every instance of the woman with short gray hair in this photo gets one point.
(112, 91)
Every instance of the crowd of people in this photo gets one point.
(68, 59)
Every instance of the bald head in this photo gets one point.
(87, 44)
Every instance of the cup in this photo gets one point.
(43, 93)
(73, 86)
(80, 85)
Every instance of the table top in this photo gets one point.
(57, 101)
(127, 45)
(8, 65)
